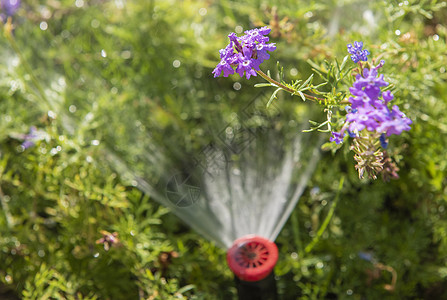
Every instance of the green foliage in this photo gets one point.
(99, 67)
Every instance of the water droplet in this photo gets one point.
(95, 23)
(51, 114)
(436, 37)
(319, 265)
(72, 108)
(79, 3)
(61, 81)
(293, 72)
(202, 11)
(294, 255)
(88, 117)
(114, 90)
(53, 151)
(65, 34)
(238, 29)
(442, 70)
(89, 159)
(397, 32)
(103, 53)
(8, 278)
(45, 12)
(237, 86)
(349, 292)
(126, 54)
(43, 25)
(132, 233)
(176, 63)
(236, 172)
(41, 253)
(119, 4)
(309, 14)
(15, 61)
(59, 148)
(95, 143)
(96, 255)
(134, 183)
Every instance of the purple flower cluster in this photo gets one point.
(369, 108)
(245, 53)
(9, 7)
(34, 135)
(357, 54)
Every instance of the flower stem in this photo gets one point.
(6, 211)
(328, 218)
(286, 88)
(10, 38)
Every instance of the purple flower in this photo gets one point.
(337, 137)
(245, 53)
(383, 141)
(9, 7)
(395, 123)
(29, 139)
(34, 135)
(366, 256)
(357, 54)
(370, 111)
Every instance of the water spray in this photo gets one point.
(237, 191)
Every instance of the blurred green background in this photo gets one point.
(82, 72)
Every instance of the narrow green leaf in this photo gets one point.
(302, 95)
(186, 288)
(343, 64)
(321, 84)
(273, 97)
(308, 80)
(263, 84)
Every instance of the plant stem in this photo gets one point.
(5, 208)
(328, 218)
(286, 88)
(29, 70)
(296, 233)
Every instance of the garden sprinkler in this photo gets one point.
(252, 259)
(237, 191)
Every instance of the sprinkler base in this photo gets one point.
(264, 289)
(252, 259)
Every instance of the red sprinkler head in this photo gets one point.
(252, 258)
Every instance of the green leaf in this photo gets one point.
(186, 288)
(273, 97)
(308, 80)
(263, 84)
